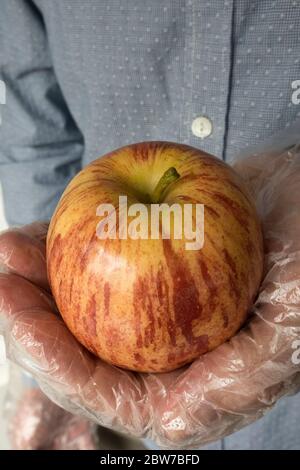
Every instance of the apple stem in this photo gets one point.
(165, 181)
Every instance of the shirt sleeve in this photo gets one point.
(40, 145)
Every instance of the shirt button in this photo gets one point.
(201, 127)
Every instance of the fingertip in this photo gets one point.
(18, 295)
(22, 254)
(37, 230)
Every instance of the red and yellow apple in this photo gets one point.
(151, 305)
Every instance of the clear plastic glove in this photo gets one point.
(220, 392)
(33, 422)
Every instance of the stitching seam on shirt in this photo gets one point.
(229, 81)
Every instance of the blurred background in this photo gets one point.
(4, 370)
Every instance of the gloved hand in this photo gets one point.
(220, 392)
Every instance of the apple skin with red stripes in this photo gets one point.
(152, 305)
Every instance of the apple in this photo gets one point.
(151, 304)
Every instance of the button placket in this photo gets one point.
(207, 79)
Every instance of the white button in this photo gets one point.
(201, 127)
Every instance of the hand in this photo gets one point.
(215, 396)
(38, 340)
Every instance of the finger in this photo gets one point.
(182, 416)
(18, 295)
(40, 342)
(271, 178)
(36, 230)
(23, 252)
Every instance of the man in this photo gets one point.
(84, 78)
